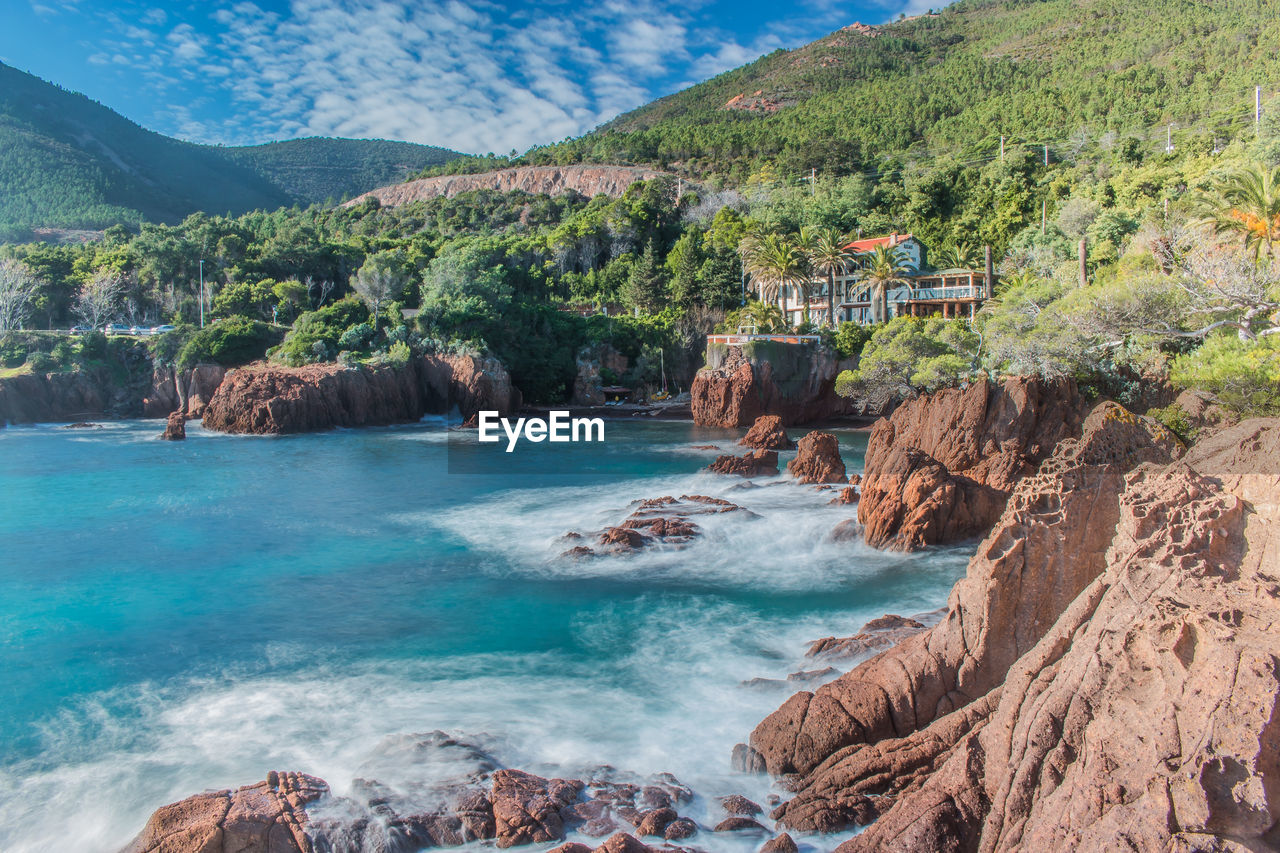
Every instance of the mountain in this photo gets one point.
(1065, 72)
(69, 162)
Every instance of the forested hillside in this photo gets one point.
(66, 161)
(1076, 74)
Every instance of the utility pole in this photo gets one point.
(990, 269)
(1168, 145)
(1046, 154)
(202, 293)
(813, 182)
(1002, 149)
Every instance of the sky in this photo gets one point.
(475, 76)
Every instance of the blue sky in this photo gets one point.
(476, 76)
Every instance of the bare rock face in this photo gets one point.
(757, 463)
(767, 433)
(1144, 719)
(588, 381)
(201, 384)
(268, 399)
(176, 428)
(36, 397)
(793, 382)
(589, 181)
(269, 817)
(818, 460)
(1049, 545)
(941, 468)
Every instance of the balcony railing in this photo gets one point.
(738, 340)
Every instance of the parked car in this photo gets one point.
(118, 329)
(160, 330)
(80, 330)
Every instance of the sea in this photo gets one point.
(178, 617)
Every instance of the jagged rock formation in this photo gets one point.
(176, 427)
(876, 635)
(294, 813)
(269, 817)
(39, 398)
(942, 466)
(818, 459)
(188, 391)
(740, 383)
(767, 433)
(589, 181)
(655, 521)
(757, 463)
(1105, 678)
(268, 399)
(96, 393)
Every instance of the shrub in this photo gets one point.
(1243, 375)
(316, 335)
(64, 352)
(850, 338)
(398, 355)
(230, 343)
(93, 345)
(357, 337)
(13, 351)
(1177, 420)
(41, 362)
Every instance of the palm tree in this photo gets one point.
(959, 255)
(777, 263)
(882, 268)
(1246, 204)
(828, 256)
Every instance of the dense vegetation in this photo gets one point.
(904, 127)
(67, 162)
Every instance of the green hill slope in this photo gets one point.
(66, 161)
(1030, 70)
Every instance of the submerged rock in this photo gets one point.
(657, 521)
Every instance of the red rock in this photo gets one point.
(855, 479)
(876, 635)
(848, 495)
(680, 829)
(268, 399)
(767, 433)
(199, 386)
(530, 809)
(848, 530)
(941, 468)
(818, 460)
(738, 823)
(269, 817)
(621, 842)
(757, 463)
(664, 520)
(176, 428)
(655, 821)
(571, 847)
(783, 843)
(739, 805)
(1049, 545)
(734, 390)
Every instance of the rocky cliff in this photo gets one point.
(942, 466)
(590, 181)
(270, 399)
(97, 393)
(796, 382)
(1107, 676)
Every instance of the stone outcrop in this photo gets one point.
(294, 813)
(176, 427)
(269, 399)
(589, 181)
(656, 521)
(941, 468)
(757, 463)
(269, 817)
(1105, 677)
(1048, 546)
(40, 398)
(876, 635)
(818, 460)
(767, 433)
(795, 382)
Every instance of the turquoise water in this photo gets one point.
(181, 616)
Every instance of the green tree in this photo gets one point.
(881, 268)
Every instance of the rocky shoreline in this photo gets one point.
(1105, 675)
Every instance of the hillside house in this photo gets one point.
(926, 292)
